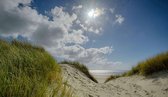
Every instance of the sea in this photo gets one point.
(102, 75)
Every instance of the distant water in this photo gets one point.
(101, 75)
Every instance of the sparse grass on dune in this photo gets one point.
(28, 71)
(112, 77)
(152, 65)
(81, 68)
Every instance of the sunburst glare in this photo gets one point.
(93, 13)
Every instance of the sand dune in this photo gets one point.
(133, 86)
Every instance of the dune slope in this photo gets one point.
(133, 86)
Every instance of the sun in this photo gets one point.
(93, 13)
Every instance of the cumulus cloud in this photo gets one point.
(10, 4)
(47, 35)
(56, 33)
(119, 19)
(89, 28)
(18, 20)
(89, 56)
(95, 30)
(61, 18)
(76, 36)
(77, 7)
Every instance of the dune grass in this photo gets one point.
(28, 71)
(81, 68)
(112, 77)
(152, 65)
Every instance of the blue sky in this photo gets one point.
(103, 34)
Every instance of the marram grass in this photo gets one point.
(112, 77)
(152, 65)
(29, 71)
(81, 68)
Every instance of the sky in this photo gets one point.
(102, 34)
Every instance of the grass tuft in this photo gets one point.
(152, 65)
(81, 68)
(28, 71)
(27, 45)
(112, 77)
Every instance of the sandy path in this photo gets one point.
(135, 86)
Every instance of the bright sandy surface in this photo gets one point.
(133, 86)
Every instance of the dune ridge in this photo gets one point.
(134, 86)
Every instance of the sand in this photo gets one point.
(134, 86)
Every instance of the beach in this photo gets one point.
(134, 86)
(102, 75)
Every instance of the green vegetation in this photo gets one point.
(112, 77)
(29, 71)
(151, 65)
(148, 67)
(81, 68)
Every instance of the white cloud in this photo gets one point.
(77, 7)
(95, 30)
(48, 35)
(28, 22)
(85, 28)
(111, 10)
(10, 4)
(76, 36)
(54, 34)
(99, 11)
(87, 56)
(93, 13)
(119, 19)
(62, 18)
(78, 22)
